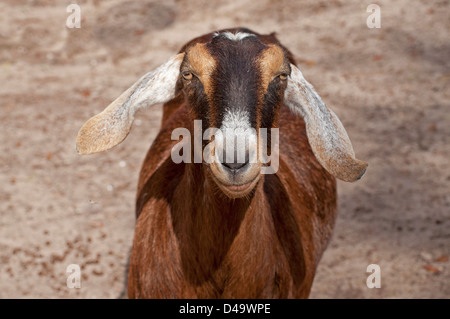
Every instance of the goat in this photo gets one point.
(224, 229)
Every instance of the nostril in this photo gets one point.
(234, 166)
(235, 162)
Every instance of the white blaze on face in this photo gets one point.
(235, 36)
(238, 139)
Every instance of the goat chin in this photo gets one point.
(238, 184)
(236, 190)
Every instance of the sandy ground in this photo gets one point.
(389, 86)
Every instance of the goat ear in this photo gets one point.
(326, 134)
(111, 127)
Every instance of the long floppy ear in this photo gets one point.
(326, 134)
(110, 127)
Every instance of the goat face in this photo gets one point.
(235, 83)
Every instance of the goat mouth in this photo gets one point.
(236, 190)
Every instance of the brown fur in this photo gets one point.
(192, 241)
(200, 61)
(272, 64)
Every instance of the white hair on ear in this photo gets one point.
(326, 134)
(110, 127)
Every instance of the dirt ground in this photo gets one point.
(389, 86)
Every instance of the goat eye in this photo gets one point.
(283, 76)
(187, 76)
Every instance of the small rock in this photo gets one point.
(426, 256)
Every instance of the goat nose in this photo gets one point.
(235, 163)
(234, 166)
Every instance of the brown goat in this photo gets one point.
(223, 229)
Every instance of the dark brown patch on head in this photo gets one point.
(236, 78)
(236, 75)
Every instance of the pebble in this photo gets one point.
(426, 256)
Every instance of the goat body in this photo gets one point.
(193, 242)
